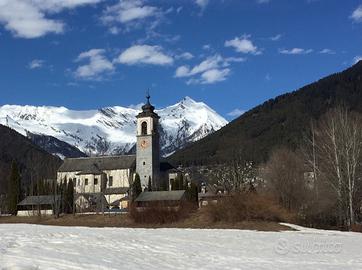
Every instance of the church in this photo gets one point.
(111, 177)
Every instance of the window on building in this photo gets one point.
(144, 163)
(86, 181)
(110, 181)
(95, 181)
(144, 128)
(74, 182)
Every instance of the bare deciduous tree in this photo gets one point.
(333, 153)
(284, 176)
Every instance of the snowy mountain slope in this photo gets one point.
(111, 130)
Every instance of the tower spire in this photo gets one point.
(148, 96)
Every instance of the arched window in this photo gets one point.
(144, 128)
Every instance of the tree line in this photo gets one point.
(16, 192)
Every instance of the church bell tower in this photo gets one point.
(148, 146)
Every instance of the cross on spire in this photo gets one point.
(148, 95)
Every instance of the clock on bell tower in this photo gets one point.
(148, 146)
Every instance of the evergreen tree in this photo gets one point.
(65, 196)
(13, 189)
(192, 193)
(173, 184)
(179, 183)
(70, 196)
(136, 187)
(149, 188)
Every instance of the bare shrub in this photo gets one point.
(161, 214)
(356, 228)
(284, 178)
(247, 207)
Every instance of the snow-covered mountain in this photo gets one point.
(111, 130)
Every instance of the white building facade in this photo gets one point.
(109, 176)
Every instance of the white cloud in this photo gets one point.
(36, 63)
(211, 70)
(97, 65)
(132, 14)
(357, 14)
(144, 54)
(236, 113)
(129, 10)
(357, 59)
(206, 47)
(295, 51)
(202, 3)
(228, 60)
(182, 71)
(242, 44)
(28, 18)
(263, 1)
(214, 75)
(327, 51)
(185, 56)
(114, 30)
(276, 37)
(211, 62)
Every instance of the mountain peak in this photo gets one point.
(111, 130)
(187, 101)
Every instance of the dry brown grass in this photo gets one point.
(195, 221)
(247, 207)
(159, 214)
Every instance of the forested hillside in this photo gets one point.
(282, 121)
(32, 161)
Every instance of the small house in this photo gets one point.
(169, 199)
(43, 205)
(90, 202)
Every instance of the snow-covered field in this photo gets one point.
(49, 247)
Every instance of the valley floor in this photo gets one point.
(27, 246)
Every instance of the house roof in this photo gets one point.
(116, 190)
(173, 195)
(93, 198)
(117, 202)
(94, 165)
(39, 200)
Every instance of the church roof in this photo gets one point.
(97, 164)
(91, 168)
(173, 195)
(116, 190)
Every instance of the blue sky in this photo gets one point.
(231, 54)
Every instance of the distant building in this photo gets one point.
(169, 199)
(211, 194)
(90, 202)
(44, 205)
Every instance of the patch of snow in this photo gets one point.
(24, 246)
